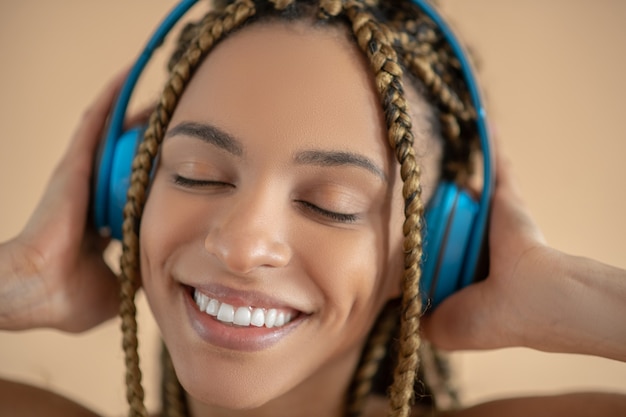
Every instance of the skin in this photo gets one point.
(52, 260)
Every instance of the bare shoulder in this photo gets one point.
(18, 399)
(584, 404)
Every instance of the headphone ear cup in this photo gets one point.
(449, 223)
(112, 182)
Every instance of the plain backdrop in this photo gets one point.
(554, 75)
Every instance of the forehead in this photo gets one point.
(289, 82)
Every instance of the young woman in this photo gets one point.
(295, 147)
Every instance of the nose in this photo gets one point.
(248, 236)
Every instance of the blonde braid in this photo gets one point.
(374, 352)
(429, 58)
(212, 30)
(281, 4)
(172, 393)
(436, 372)
(330, 8)
(376, 42)
(427, 55)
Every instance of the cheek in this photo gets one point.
(170, 218)
(351, 272)
(168, 227)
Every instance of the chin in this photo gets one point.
(232, 394)
(230, 381)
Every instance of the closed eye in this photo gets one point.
(195, 183)
(332, 215)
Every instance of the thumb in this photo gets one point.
(465, 320)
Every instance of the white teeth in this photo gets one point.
(226, 313)
(258, 317)
(270, 318)
(241, 316)
(280, 319)
(212, 308)
(202, 301)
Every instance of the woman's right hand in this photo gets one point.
(53, 273)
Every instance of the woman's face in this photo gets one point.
(272, 234)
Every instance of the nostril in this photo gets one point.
(249, 249)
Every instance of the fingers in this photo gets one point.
(79, 290)
(62, 210)
(93, 121)
(504, 168)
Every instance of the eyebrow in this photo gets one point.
(334, 158)
(209, 134)
(219, 138)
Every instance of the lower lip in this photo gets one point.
(227, 336)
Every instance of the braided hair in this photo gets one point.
(397, 39)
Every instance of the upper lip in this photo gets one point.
(250, 298)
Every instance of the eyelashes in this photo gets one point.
(332, 215)
(195, 184)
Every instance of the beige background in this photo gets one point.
(554, 70)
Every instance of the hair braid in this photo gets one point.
(174, 401)
(281, 4)
(454, 117)
(329, 8)
(376, 41)
(386, 324)
(187, 36)
(426, 54)
(374, 352)
(436, 371)
(212, 30)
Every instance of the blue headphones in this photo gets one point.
(456, 224)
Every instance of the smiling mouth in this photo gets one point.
(243, 316)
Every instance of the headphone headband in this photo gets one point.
(116, 121)
(477, 237)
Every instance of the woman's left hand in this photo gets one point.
(535, 296)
